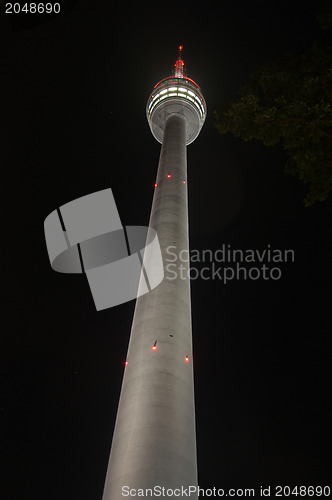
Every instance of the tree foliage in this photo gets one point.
(288, 101)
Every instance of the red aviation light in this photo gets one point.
(187, 359)
(169, 176)
(126, 362)
(154, 347)
(184, 182)
(155, 184)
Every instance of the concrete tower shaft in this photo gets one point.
(154, 440)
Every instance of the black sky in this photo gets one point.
(74, 90)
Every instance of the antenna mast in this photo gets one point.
(179, 71)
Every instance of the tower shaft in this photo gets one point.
(154, 441)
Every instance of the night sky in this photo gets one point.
(74, 87)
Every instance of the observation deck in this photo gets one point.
(176, 95)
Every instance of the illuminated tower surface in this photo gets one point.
(154, 441)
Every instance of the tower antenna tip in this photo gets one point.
(179, 71)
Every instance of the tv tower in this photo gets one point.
(154, 441)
